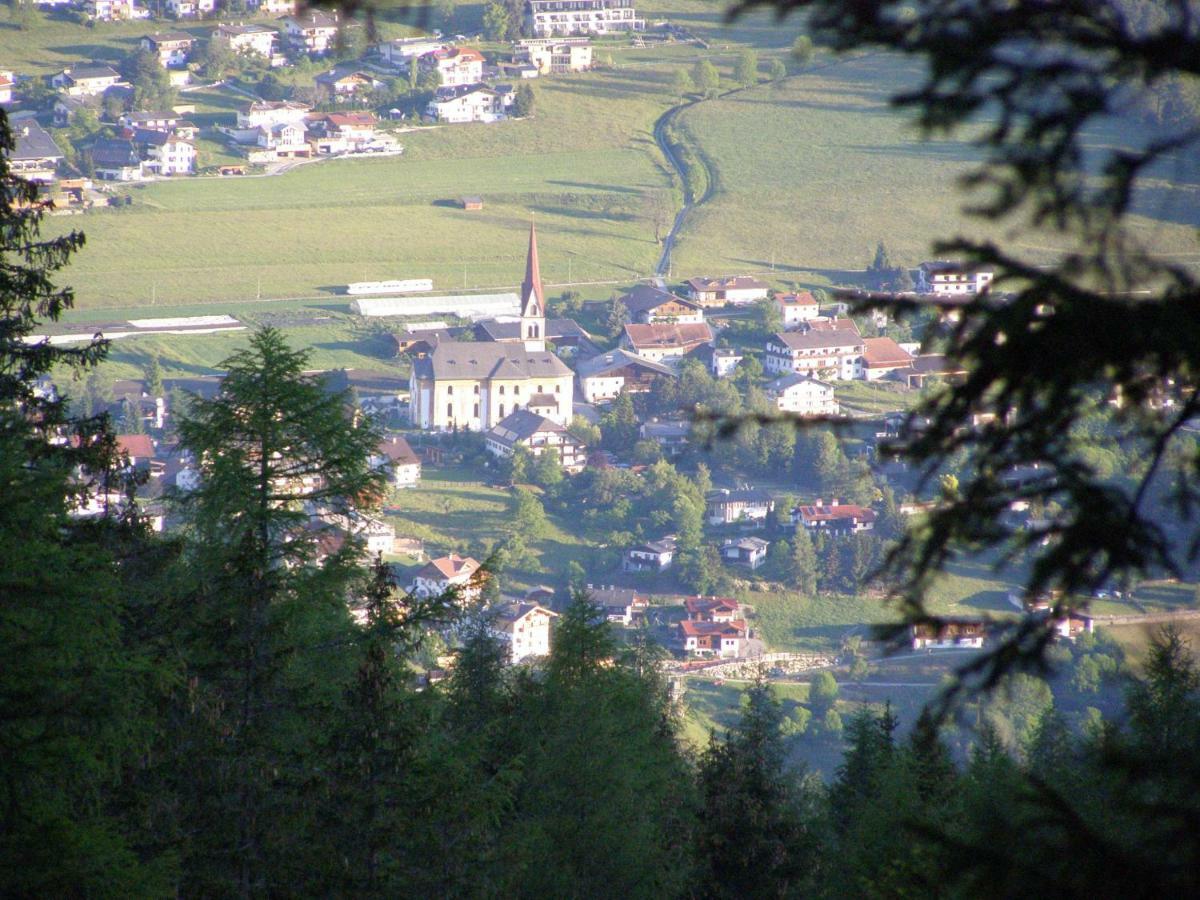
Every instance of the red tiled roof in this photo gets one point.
(735, 628)
(831, 512)
(885, 353)
(451, 566)
(710, 604)
(664, 334)
(800, 298)
(137, 446)
(397, 450)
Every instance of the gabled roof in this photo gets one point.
(520, 425)
(397, 450)
(829, 512)
(78, 73)
(165, 37)
(666, 335)
(752, 544)
(779, 385)
(800, 298)
(732, 282)
(706, 605)
(513, 613)
(735, 628)
(137, 446)
(837, 323)
(448, 567)
(340, 120)
(619, 359)
(884, 353)
(646, 297)
(314, 18)
(477, 360)
(816, 340)
(33, 142)
(245, 29)
(741, 495)
(446, 93)
(110, 152)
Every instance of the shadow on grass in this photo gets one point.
(575, 213)
(98, 52)
(612, 188)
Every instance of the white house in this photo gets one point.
(171, 47)
(796, 308)
(721, 639)
(313, 31)
(401, 51)
(665, 342)
(555, 55)
(454, 65)
(725, 507)
(537, 434)
(882, 356)
(439, 575)
(170, 156)
(647, 304)
(735, 289)
(950, 634)
(834, 517)
(465, 103)
(832, 350)
(526, 630)
(650, 556)
(397, 457)
(950, 279)
(548, 18)
(86, 81)
(265, 113)
(750, 552)
(256, 40)
(605, 377)
(189, 9)
(802, 395)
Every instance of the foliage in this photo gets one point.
(745, 71)
(524, 103)
(706, 78)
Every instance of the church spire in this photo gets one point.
(531, 287)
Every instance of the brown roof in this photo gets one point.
(836, 324)
(702, 605)
(668, 334)
(137, 446)
(733, 628)
(532, 283)
(452, 566)
(885, 353)
(800, 298)
(397, 449)
(735, 282)
(829, 512)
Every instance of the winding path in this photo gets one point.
(689, 202)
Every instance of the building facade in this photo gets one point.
(553, 18)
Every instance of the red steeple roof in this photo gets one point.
(533, 277)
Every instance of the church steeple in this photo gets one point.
(533, 301)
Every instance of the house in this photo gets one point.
(525, 629)
(440, 575)
(738, 289)
(136, 449)
(555, 56)
(475, 385)
(348, 132)
(750, 552)
(711, 609)
(796, 308)
(313, 31)
(948, 634)
(882, 357)
(671, 436)
(285, 138)
(650, 556)
(647, 304)
(665, 342)
(86, 80)
(621, 606)
(472, 203)
(723, 361)
(148, 121)
(832, 353)
(720, 639)
(115, 159)
(171, 47)
(35, 156)
(402, 51)
(931, 365)
(402, 464)
(256, 40)
(950, 279)
(551, 18)
(274, 7)
(108, 10)
(344, 84)
(606, 376)
(7, 82)
(802, 395)
(464, 103)
(724, 507)
(377, 535)
(537, 434)
(167, 154)
(65, 107)
(189, 9)
(833, 517)
(265, 113)
(454, 65)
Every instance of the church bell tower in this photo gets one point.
(533, 301)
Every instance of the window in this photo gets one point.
(449, 410)
(517, 389)
(450, 390)
(476, 390)
(476, 413)
(501, 390)
(502, 410)
(558, 389)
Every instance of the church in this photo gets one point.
(473, 385)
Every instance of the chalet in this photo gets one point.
(87, 80)
(537, 434)
(833, 517)
(265, 113)
(721, 639)
(647, 304)
(551, 18)
(736, 290)
(711, 609)
(454, 65)
(833, 353)
(796, 308)
(525, 629)
(345, 84)
(664, 342)
(802, 395)
(248, 40)
(313, 31)
(555, 56)
(882, 357)
(402, 465)
(650, 556)
(724, 507)
(621, 606)
(440, 575)
(949, 634)
(114, 159)
(750, 552)
(671, 436)
(606, 376)
(949, 279)
(35, 156)
(189, 9)
(465, 103)
(171, 47)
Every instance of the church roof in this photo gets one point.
(533, 275)
(556, 329)
(453, 360)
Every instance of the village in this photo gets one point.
(97, 123)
